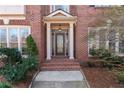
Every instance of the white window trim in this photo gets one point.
(53, 6)
(18, 33)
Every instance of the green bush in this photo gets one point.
(101, 53)
(120, 77)
(5, 85)
(92, 52)
(107, 64)
(13, 55)
(31, 46)
(17, 72)
(91, 64)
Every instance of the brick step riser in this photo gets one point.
(59, 61)
(59, 66)
(59, 69)
(52, 64)
(51, 69)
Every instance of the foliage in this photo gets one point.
(5, 85)
(109, 60)
(120, 77)
(107, 64)
(31, 46)
(101, 53)
(91, 64)
(12, 55)
(17, 72)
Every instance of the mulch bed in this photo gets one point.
(101, 78)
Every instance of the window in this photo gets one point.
(12, 9)
(3, 37)
(100, 38)
(62, 7)
(16, 37)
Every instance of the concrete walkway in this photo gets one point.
(59, 79)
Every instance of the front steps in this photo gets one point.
(59, 64)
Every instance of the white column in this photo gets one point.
(71, 42)
(117, 43)
(8, 38)
(48, 42)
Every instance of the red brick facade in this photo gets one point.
(86, 16)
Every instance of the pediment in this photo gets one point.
(59, 13)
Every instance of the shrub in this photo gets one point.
(5, 85)
(92, 52)
(31, 46)
(91, 64)
(101, 53)
(13, 55)
(108, 65)
(17, 72)
(120, 77)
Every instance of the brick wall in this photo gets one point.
(86, 16)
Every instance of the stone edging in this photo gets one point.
(85, 78)
(33, 79)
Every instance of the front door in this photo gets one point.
(60, 41)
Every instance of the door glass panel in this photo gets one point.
(60, 43)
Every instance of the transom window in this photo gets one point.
(62, 7)
(14, 37)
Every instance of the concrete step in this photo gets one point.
(59, 84)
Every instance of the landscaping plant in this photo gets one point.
(5, 85)
(120, 77)
(12, 55)
(31, 46)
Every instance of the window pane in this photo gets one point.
(112, 41)
(102, 38)
(3, 37)
(24, 34)
(13, 37)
